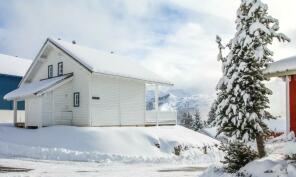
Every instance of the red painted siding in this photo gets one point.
(292, 93)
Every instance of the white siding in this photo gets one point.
(132, 102)
(105, 111)
(80, 83)
(62, 98)
(47, 109)
(33, 108)
(57, 107)
(122, 101)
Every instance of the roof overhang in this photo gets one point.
(38, 88)
(280, 68)
(280, 73)
(136, 79)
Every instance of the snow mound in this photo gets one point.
(276, 164)
(267, 167)
(270, 167)
(126, 144)
(282, 145)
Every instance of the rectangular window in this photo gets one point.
(60, 68)
(76, 99)
(50, 71)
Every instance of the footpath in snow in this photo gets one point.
(109, 144)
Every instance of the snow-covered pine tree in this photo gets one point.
(212, 114)
(242, 95)
(186, 119)
(197, 123)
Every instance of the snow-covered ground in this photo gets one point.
(106, 151)
(275, 164)
(43, 168)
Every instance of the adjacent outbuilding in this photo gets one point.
(12, 69)
(286, 69)
(69, 84)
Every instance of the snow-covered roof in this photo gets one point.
(14, 66)
(282, 67)
(108, 63)
(30, 89)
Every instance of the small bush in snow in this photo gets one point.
(177, 150)
(291, 157)
(243, 174)
(237, 155)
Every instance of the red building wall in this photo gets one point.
(292, 90)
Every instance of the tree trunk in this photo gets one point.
(260, 146)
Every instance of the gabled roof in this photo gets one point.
(282, 67)
(15, 66)
(37, 87)
(107, 63)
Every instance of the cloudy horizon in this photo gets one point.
(175, 39)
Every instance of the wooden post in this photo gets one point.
(287, 79)
(156, 102)
(14, 112)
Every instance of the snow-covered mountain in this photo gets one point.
(180, 100)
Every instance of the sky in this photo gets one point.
(173, 38)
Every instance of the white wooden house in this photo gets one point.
(68, 84)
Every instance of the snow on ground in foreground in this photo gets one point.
(274, 165)
(45, 168)
(271, 166)
(104, 144)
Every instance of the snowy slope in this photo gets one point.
(131, 144)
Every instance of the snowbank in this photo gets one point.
(270, 167)
(266, 167)
(127, 144)
(274, 165)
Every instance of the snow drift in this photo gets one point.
(126, 144)
(280, 161)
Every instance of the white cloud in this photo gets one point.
(188, 58)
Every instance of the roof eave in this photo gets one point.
(134, 78)
(280, 73)
(42, 91)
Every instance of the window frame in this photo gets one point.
(50, 71)
(76, 99)
(60, 68)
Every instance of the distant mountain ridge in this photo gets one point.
(180, 100)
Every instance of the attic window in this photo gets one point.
(50, 71)
(60, 69)
(76, 100)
